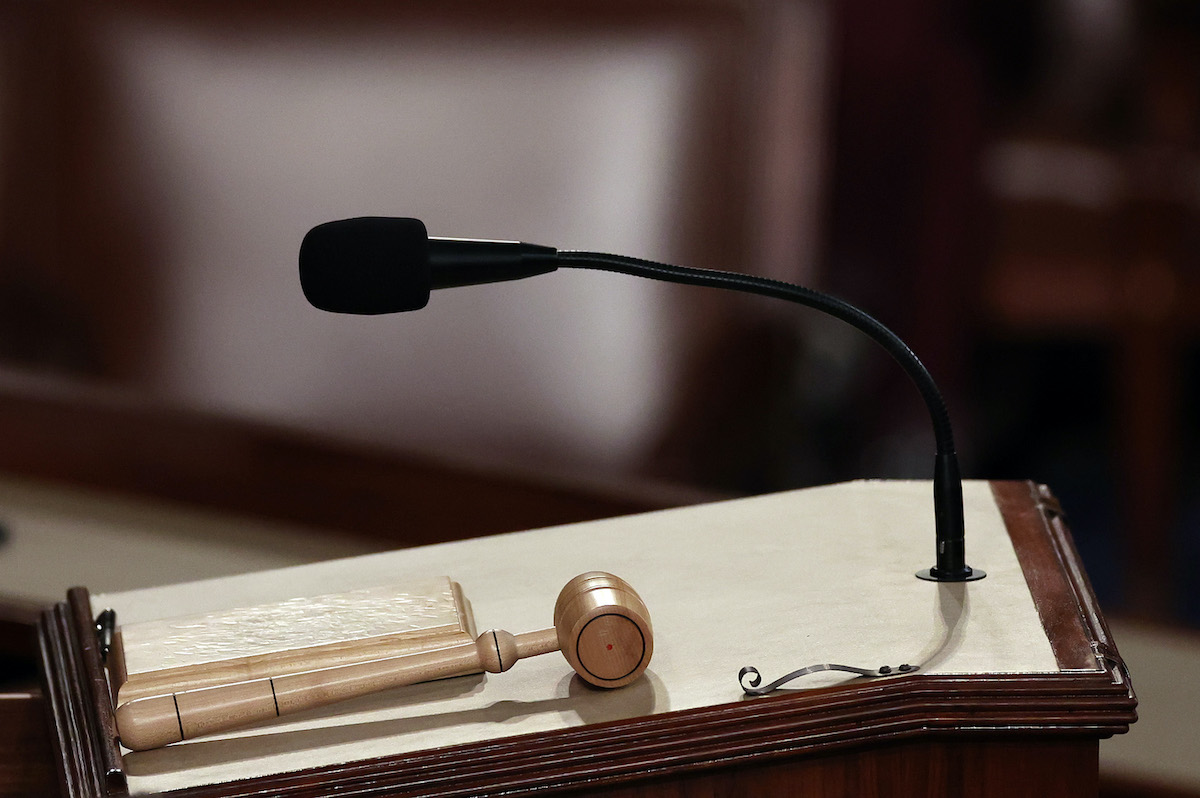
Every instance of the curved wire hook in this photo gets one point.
(751, 685)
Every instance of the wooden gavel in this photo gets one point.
(600, 625)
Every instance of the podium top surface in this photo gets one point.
(778, 582)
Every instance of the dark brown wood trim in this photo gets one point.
(96, 690)
(743, 733)
(1042, 558)
(62, 709)
(1063, 768)
(1093, 619)
(735, 735)
(83, 731)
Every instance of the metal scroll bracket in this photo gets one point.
(750, 679)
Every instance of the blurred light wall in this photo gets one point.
(198, 146)
(244, 144)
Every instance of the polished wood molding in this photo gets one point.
(1054, 571)
(83, 729)
(1063, 768)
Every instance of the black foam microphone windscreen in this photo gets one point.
(367, 265)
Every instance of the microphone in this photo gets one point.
(376, 265)
(372, 265)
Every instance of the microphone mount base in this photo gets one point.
(933, 575)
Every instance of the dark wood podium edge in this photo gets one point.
(1062, 592)
(82, 726)
(1091, 698)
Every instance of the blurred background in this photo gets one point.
(1011, 185)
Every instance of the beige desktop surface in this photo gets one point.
(778, 582)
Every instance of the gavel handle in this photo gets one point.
(155, 721)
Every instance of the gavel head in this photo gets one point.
(603, 629)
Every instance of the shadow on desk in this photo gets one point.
(575, 697)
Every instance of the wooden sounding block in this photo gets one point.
(185, 654)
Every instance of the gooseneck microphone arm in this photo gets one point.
(379, 265)
(951, 563)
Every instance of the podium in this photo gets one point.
(1017, 676)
